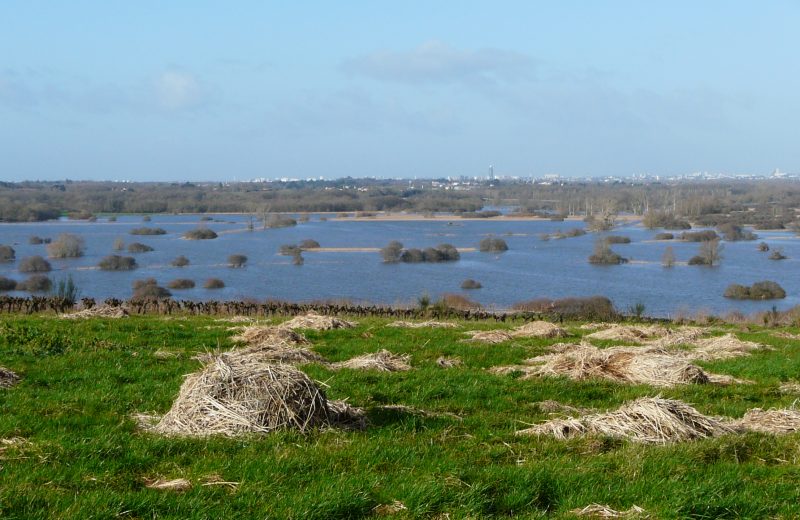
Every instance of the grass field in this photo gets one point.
(70, 448)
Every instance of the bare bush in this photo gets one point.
(7, 253)
(117, 263)
(492, 245)
(213, 283)
(181, 283)
(138, 247)
(603, 255)
(34, 264)
(237, 261)
(66, 245)
(35, 283)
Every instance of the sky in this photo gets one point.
(218, 91)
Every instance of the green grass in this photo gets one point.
(85, 458)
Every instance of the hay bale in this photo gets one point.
(623, 365)
(8, 378)
(651, 420)
(101, 311)
(539, 329)
(448, 362)
(602, 511)
(634, 334)
(723, 347)
(235, 395)
(489, 336)
(267, 334)
(423, 324)
(315, 321)
(777, 421)
(383, 361)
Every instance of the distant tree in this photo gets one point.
(777, 254)
(35, 283)
(711, 252)
(149, 289)
(763, 247)
(213, 283)
(492, 244)
(391, 253)
(603, 255)
(298, 259)
(668, 258)
(137, 247)
(66, 245)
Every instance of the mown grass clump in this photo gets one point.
(439, 442)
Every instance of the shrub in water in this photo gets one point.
(200, 234)
(66, 245)
(309, 244)
(35, 283)
(7, 284)
(214, 283)
(469, 283)
(181, 283)
(7, 253)
(664, 236)
(34, 264)
(117, 263)
(138, 247)
(181, 261)
(766, 290)
(492, 245)
(237, 260)
(148, 231)
(148, 289)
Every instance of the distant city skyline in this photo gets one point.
(149, 91)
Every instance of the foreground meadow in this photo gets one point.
(73, 445)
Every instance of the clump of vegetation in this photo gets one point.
(146, 218)
(699, 236)
(391, 253)
(661, 219)
(289, 250)
(668, 258)
(457, 302)
(297, 258)
(394, 252)
(469, 283)
(709, 255)
(276, 220)
(148, 289)
(309, 244)
(492, 245)
(34, 264)
(237, 261)
(602, 222)
(480, 214)
(558, 235)
(181, 283)
(117, 263)
(603, 255)
(205, 218)
(112, 218)
(7, 284)
(180, 261)
(7, 253)
(766, 290)
(148, 231)
(617, 239)
(664, 236)
(37, 240)
(763, 247)
(200, 234)
(138, 247)
(66, 245)
(777, 254)
(82, 214)
(66, 289)
(733, 232)
(35, 283)
(119, 244)
(213, 283)
(588, 308)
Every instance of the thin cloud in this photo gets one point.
(177, 90)
(437, 62)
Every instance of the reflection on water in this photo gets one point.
(532, 268)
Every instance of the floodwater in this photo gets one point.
(531, 268)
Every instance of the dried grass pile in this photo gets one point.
(789, 387)
(601, 511)
(651, 420)
(448, 362)
(234, 395)
(622, 365)
(423, 324)
(551, 406)
(315, 321)
(383, 361)
(777, 421)
(723, 347)
(178, 484)
(101, 311)
(8, 378)
(489, 336)
(681, 336)
(280, 353)
(341, 414)
(260, 334)
(630, 333)
(539, 329)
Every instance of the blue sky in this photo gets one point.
(202, 90)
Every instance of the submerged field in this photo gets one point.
(70, 446)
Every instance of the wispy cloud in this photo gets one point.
(177, 89)
(437, 62)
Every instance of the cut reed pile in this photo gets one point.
(602, 511)
(777, 421)
(8, 378)
(315, 321)
(341, 414)
(233, 395)
(423, 324)
(638, 333)
(383, 361)
(280, 353)
(651, 420)
(789, 387)
(723, 347)
(178, 484)
(553, 407)
(489, 336)
(681, 336)
(102, 311)
(448, 362)
(539, 329)
(260, 334)
(620, 364)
